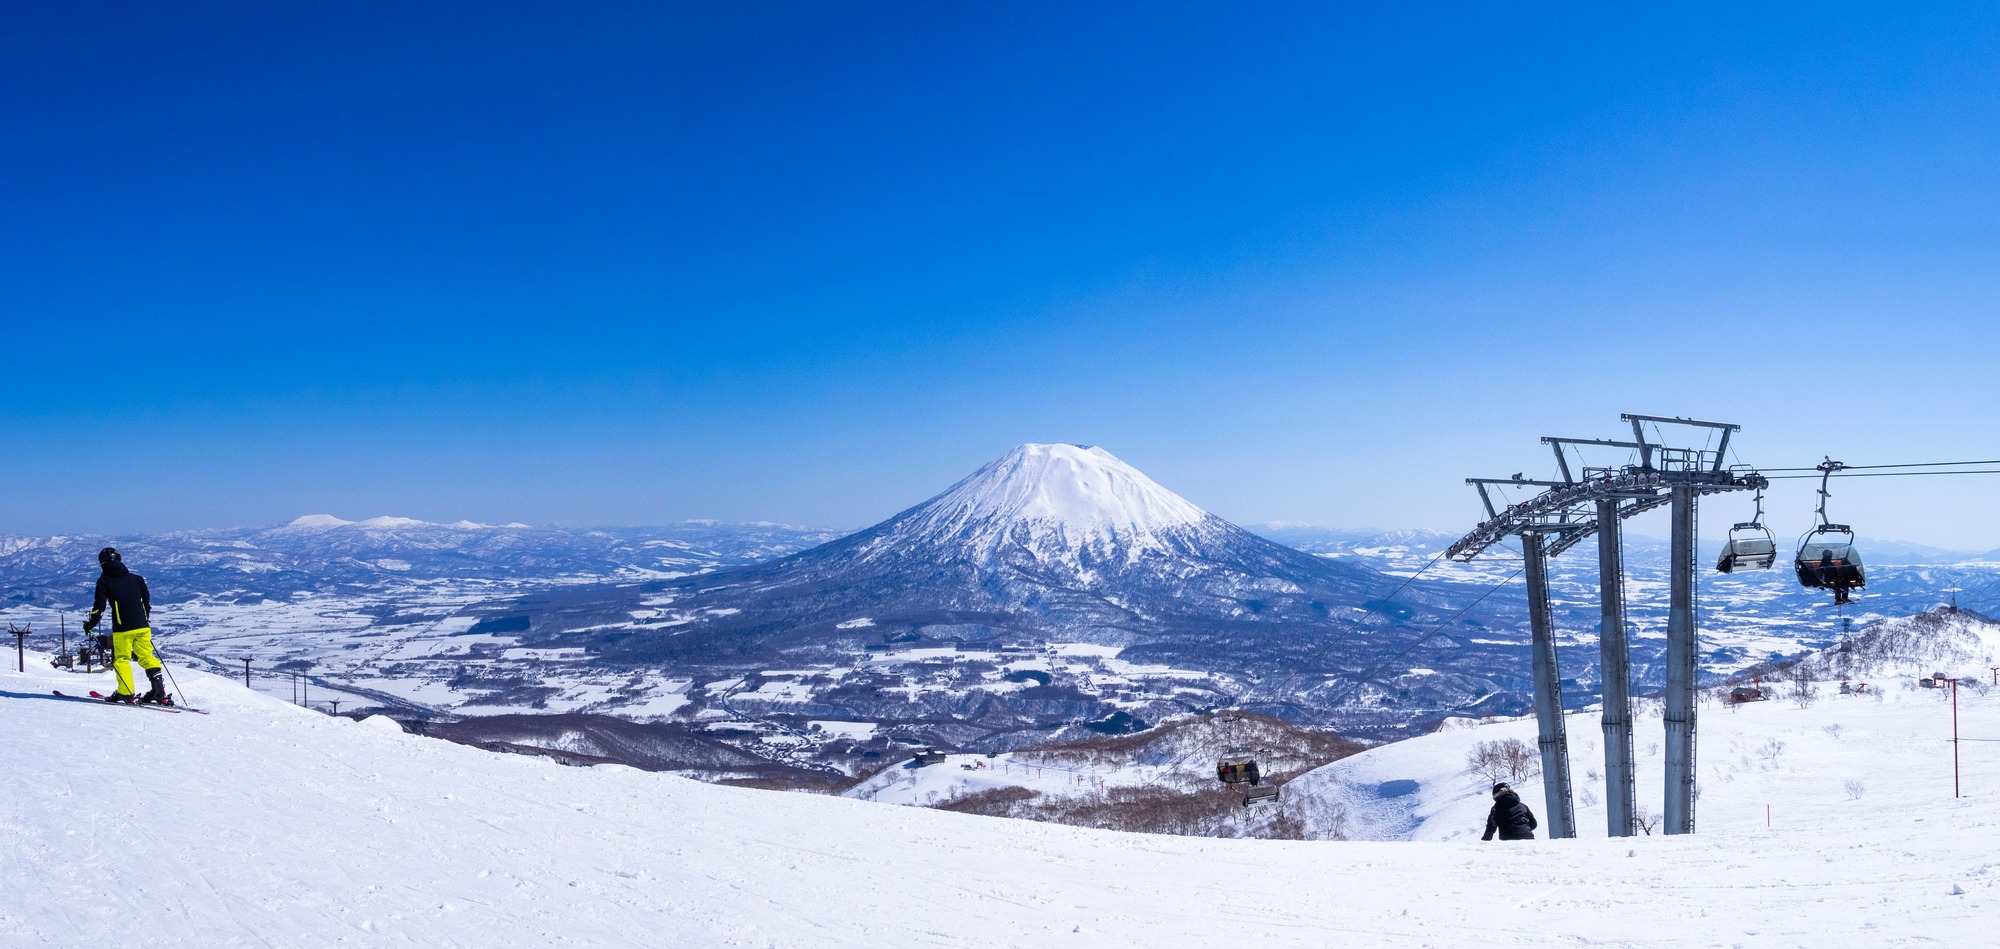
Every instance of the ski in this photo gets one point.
(98, 699)
(164, 708)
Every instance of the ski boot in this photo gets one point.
(158, 694)
(126, 697)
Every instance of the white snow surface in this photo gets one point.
(271, 825)
(1082, 494)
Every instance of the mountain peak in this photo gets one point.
(1082, 493)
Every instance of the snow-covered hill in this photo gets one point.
(266, 824)
(1821, 764)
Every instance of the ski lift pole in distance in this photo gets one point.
(1954, 738)
(20, 646)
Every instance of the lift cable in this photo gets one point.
(1930, 464)
(1885, 474)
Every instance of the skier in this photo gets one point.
(131, 633)
(1509, 816)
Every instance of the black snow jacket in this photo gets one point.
(125, 592)
(1510, 818)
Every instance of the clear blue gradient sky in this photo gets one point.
(631, 263)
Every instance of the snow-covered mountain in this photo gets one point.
(1052, 536)
(1046, 544)
(1055, 503)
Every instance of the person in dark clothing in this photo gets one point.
(131, 627)
(1509, 817)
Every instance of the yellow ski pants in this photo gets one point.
(130, 644)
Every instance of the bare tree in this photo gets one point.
(1803, 690)
(1646, 819)
(1770, 751)
(1507, 759)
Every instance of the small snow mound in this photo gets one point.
(318, 520)
(382, 722)
(858, 623)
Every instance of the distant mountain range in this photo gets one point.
(1055, 591)
(324, 554)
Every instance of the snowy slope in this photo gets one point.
(264, 824)
(1892, 741)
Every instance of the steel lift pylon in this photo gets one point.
(1593, 505)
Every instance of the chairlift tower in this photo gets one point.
(1560, 517)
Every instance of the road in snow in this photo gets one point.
(269, 825)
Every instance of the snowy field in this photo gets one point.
(265, 824)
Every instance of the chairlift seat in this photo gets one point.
(1267, 794)
(1237, 766)
(1827, 558)
(1750, 547)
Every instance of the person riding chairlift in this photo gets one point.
(1832, 576)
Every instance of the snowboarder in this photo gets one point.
(1509, 816)
(131, 630)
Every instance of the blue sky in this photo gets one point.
(627, 264)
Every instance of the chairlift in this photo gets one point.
(1750, 545)
(1827, 558)
(1266, 794)
(1238, 766)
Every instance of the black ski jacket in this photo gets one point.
(1510, 818)
(125, 592)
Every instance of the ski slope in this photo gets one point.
(1838, 760)
(264, 824)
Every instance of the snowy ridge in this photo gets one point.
(1053, 498)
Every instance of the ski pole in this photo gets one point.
(179, 696)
